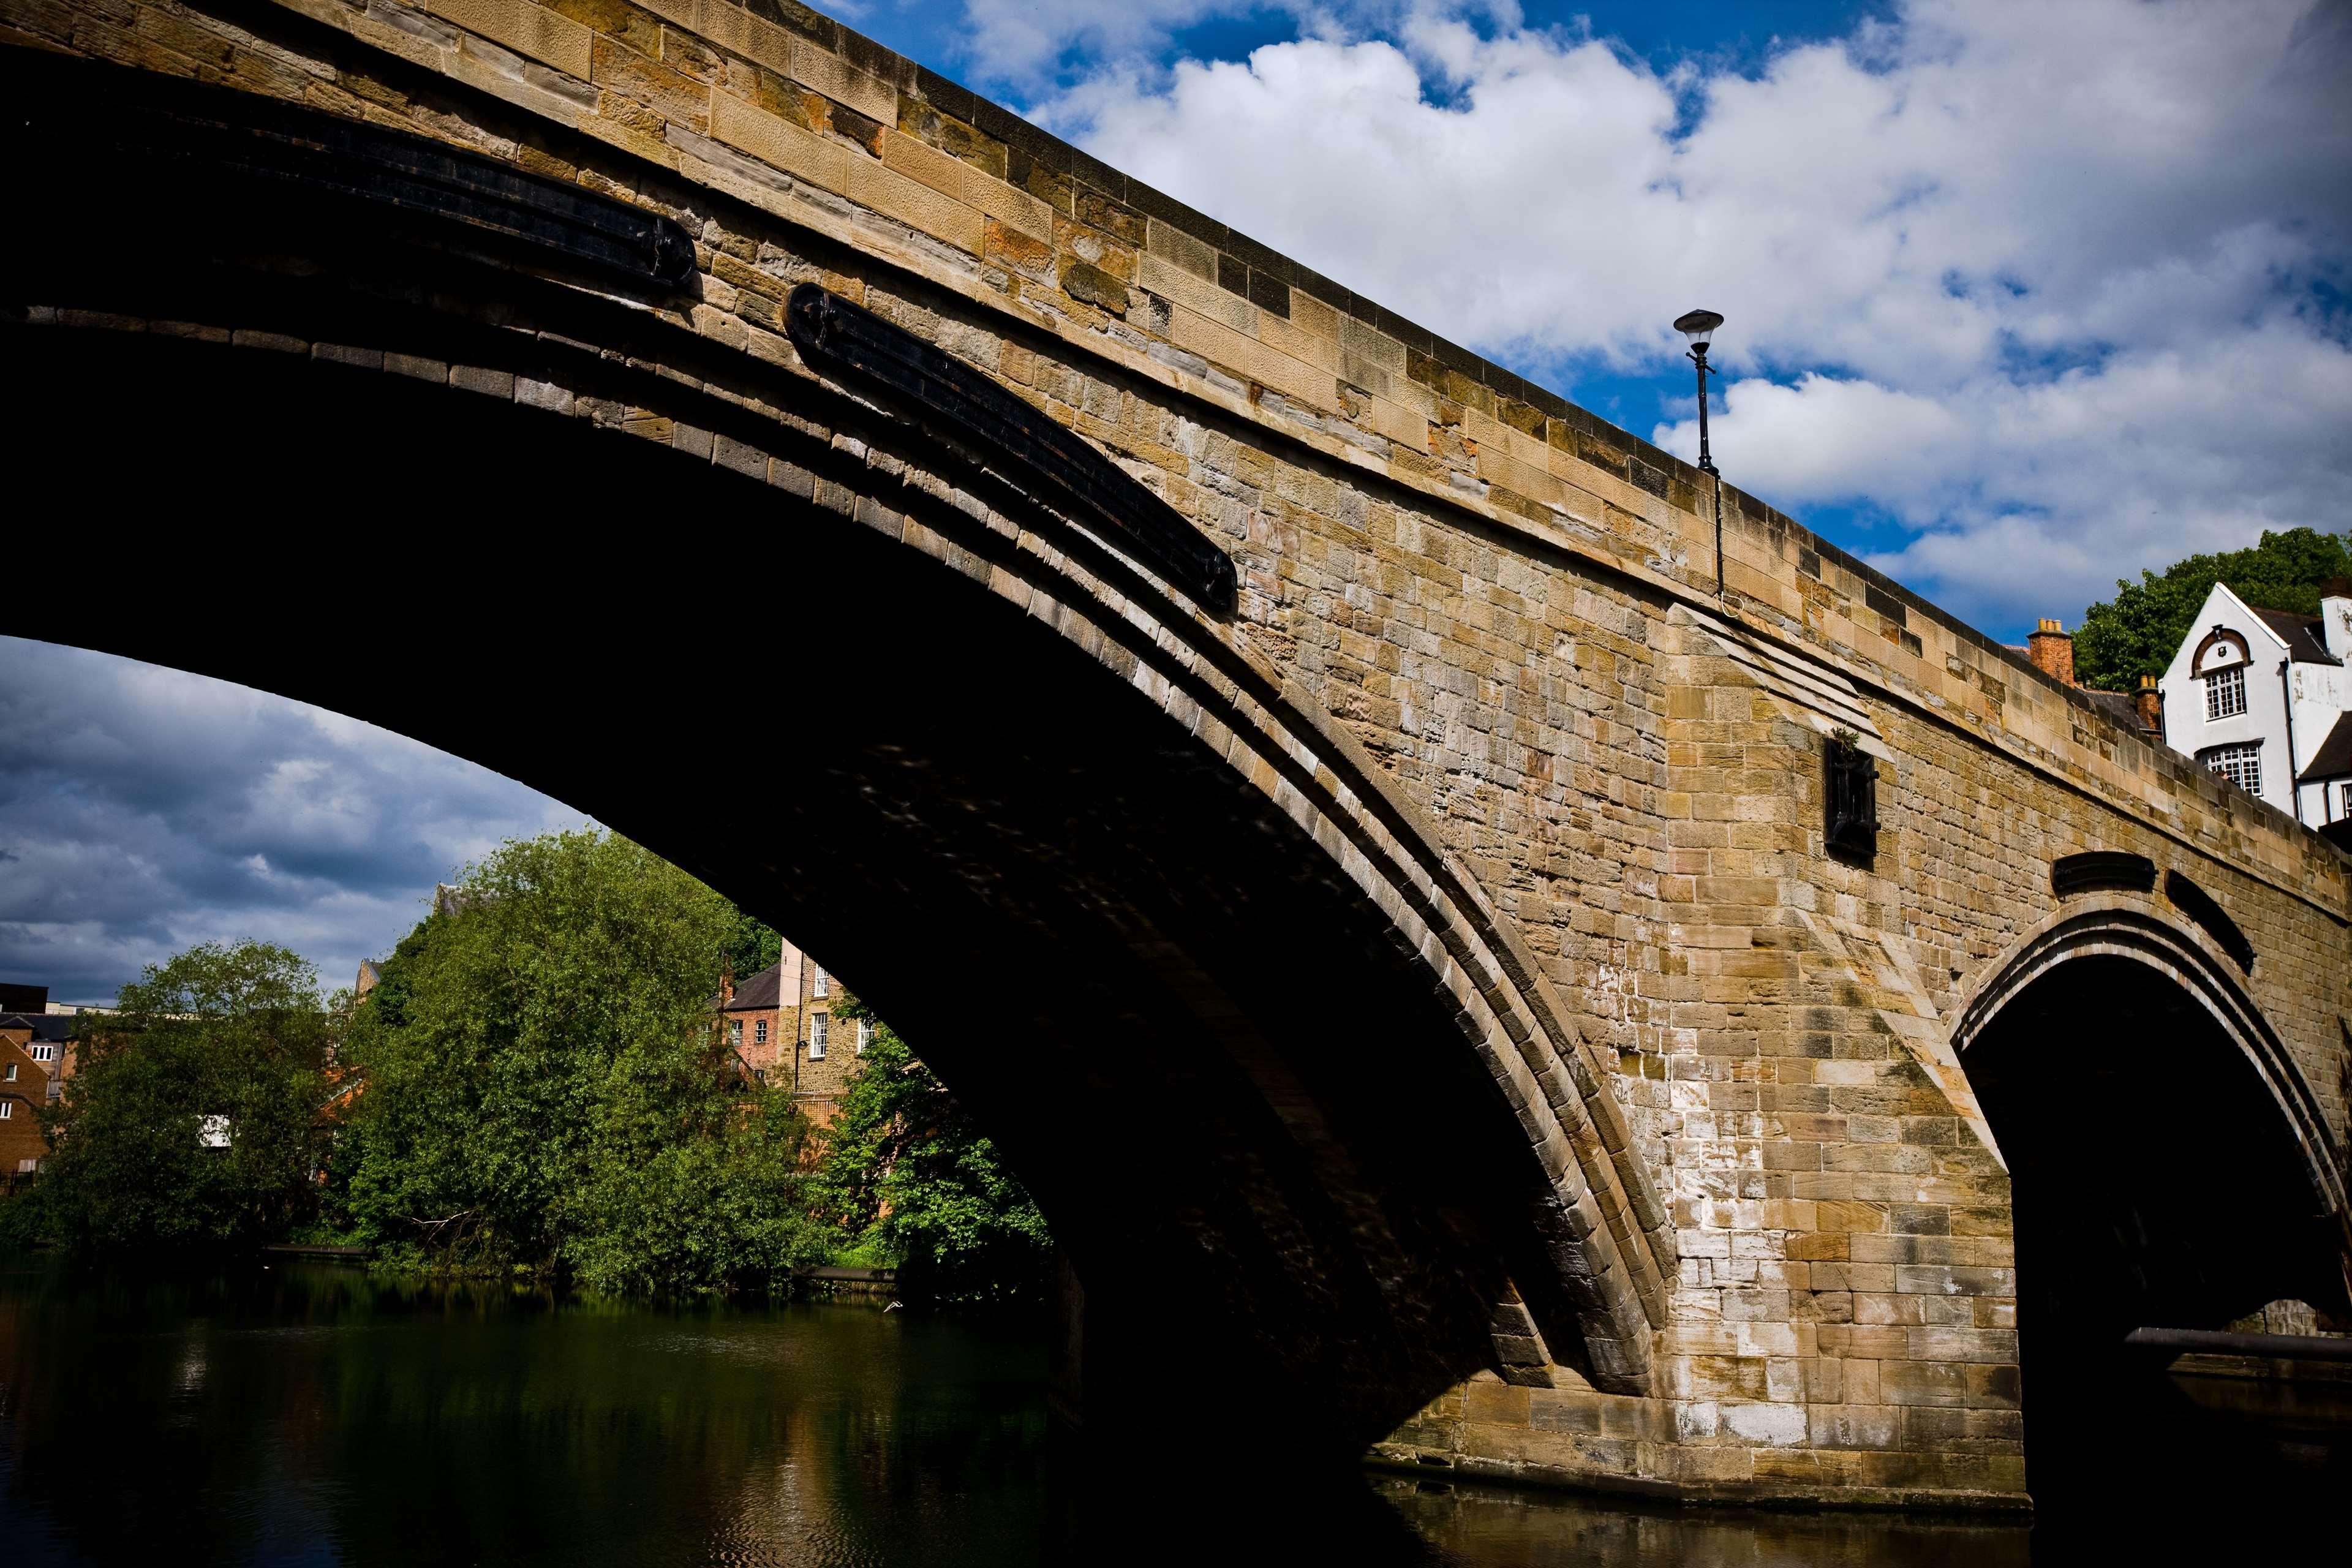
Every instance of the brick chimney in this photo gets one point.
(726, 981)
(2052, 651)
(2151, 707)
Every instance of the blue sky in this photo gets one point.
(2021, 299)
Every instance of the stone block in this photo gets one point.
(1780, 1425)
(1854, 1425)
(526, 28)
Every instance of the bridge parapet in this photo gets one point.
(788, 109)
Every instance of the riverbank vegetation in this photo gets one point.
(535, 1087)
(907, 1177)
(191, 1111)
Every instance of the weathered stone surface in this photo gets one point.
(1787, 1220)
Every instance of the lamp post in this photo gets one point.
(1697, 327)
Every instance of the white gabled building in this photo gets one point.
(2260, 698)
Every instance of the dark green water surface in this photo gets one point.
(312, 1413)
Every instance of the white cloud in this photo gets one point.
(2035, 281)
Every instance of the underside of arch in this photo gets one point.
(1207, 1016)
(2172, 1167)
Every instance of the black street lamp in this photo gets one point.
(1699, 326)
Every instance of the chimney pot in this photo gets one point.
(2151, 707)
(2052, 651)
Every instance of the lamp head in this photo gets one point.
(1699, 326)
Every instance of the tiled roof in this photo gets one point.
(2302, 634)
(764, 989)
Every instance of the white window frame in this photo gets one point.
(817, 1036)
(820, 983)
(2344, 798)
(7, 1110)
(43, 1053)
(2240, 763)
(760, 1032)
(865, 1035)
(734, 1033)
(2224, 687)
(12, 1072)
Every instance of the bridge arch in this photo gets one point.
(2138, 930)
(2171, 1168)
(1016, 777)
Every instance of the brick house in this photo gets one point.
(24, 1089)
(47, 1040)
(781, 1029)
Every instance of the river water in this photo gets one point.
(308, 1414)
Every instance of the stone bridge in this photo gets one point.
(1469, 973)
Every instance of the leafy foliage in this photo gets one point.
(2139, 630)
(547, 1091)
(234, 1032)
(906, 1174)
(753, 946)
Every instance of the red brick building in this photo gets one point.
(779, 1025)
(24, 1089)
(47, 1040)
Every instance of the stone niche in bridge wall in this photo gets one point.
(1510, 611)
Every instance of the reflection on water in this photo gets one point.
(314, 1414)
(308, 1414)
(1497, 1528)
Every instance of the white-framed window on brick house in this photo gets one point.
(2241, 764)
(2343, 799)
(865, 1036)
(760, 1033)
(43, 1053)
(821, 984)
(734, 1033)
(12, 1072)
(2225, 693)
(817, 1036)
(7, 1110)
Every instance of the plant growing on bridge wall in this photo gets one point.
(230, 1039)
(2137, 632)
(907, 1178)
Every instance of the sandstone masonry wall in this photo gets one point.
(1512, 606)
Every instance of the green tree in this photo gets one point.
(907, 1176)
(752, 947)
(2137, 632)
(546, 1090)
(227, 1039)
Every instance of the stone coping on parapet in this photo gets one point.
(1267, 278)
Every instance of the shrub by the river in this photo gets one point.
(907, 1177)
(547, 1091)
(189, 1124)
